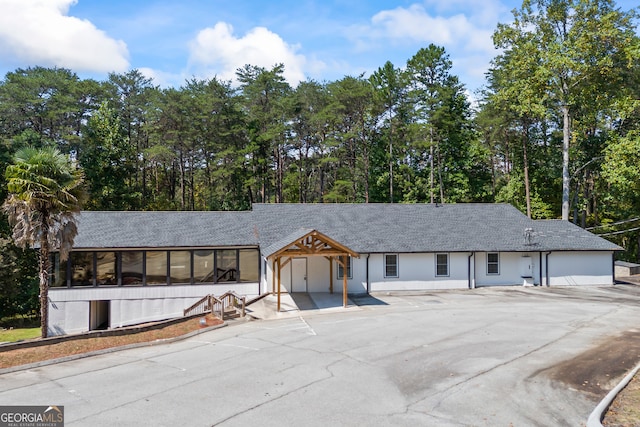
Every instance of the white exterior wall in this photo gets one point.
(580, 268)
(67, 317)
(418, 272)
(509, 269)
(69, 308)
(318, 272)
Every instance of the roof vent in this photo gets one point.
(528, 236)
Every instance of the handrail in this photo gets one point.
(191, 310)
(207, 304)
(218, 305)
(231, 299)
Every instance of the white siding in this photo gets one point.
(510, 271)
(418, 272)
(318, 271)
(580, 268)
(68, 317)
(69, 308)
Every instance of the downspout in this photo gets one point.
(546, 258)
(540, 267)
(368, 255)
(613, 267)
(469, 270)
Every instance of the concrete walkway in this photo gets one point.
(485, 357)
(297, 303)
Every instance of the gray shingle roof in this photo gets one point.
(424, 227)
(365, 228)
(164, 229)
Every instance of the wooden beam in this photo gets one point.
(315, 243)
(330, 274)
(279, 270)
(273, 277)
(301, 253)
(287, 261)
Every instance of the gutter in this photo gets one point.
(368, 255)
(613, 267)
(469, 270)
(539, 267)
(546, 257)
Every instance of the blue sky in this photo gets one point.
(171, 41)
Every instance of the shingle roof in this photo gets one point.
(424, 227)
(365, 228)
(164, 229)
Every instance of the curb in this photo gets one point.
(109, 350)
(596, 416)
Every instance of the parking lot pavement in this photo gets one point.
(486, 357)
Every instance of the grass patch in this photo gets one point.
(20, 321)
(13, 335)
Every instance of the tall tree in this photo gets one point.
(265, 92)
(132, 97)
(576, 50)
(109, 162)
(45, 194)
(390, 91)
(47, 101)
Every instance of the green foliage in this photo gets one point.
(109, 161)
(19, 283)
(45, 192)
(621, 168)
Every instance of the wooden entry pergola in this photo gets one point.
(309, 243)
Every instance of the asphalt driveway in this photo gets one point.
(487, 357)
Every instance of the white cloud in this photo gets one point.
(416, 24)
(39, 32)
(216, 50)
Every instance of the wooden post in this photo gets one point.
(330, 274)
(273, 277)
(344, 281)
(279, 284)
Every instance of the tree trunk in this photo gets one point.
(527, 190)
(44, 281)
(431, 164)
(565, 163)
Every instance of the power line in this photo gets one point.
(620, 232)
(613, 223)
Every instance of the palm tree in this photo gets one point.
(45, 193)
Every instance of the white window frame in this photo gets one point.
(447, 264)
(397, 274)
(349, 269)
(496, 263)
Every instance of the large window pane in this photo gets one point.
(180, 267)
(249, 265)
(106, 268)
(131, 268)
(203, 266)
(226, 270)
(81, 268)
(156, 268)
(58, 274)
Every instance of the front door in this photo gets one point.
(299, 275)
